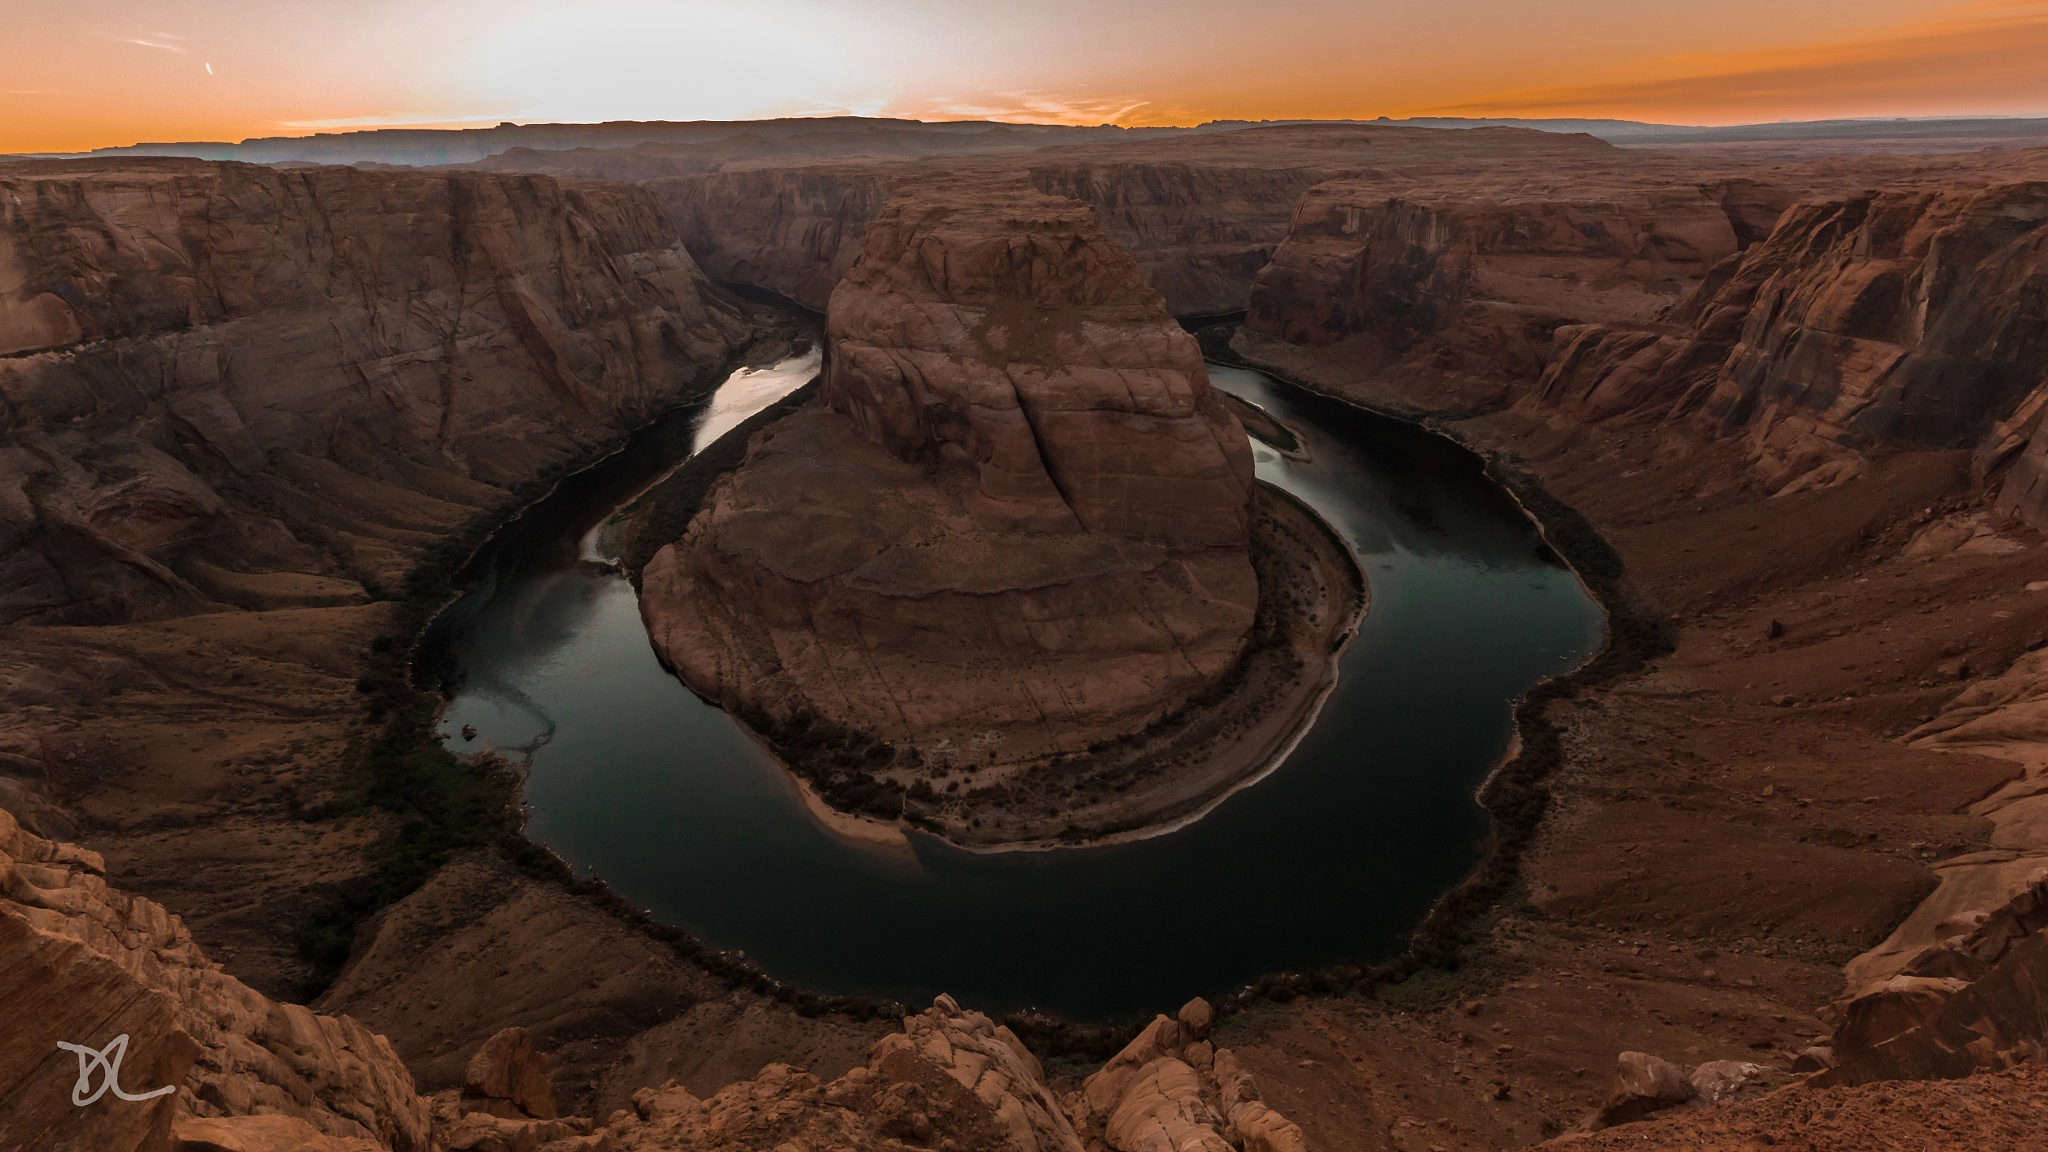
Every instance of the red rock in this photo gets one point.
(1643, 1084)
(507, 1077)
(1022, 526)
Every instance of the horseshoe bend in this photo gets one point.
(857, 633)
(1013, 539)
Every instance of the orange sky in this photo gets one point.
(103, 72)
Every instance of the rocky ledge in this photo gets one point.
(981, 581)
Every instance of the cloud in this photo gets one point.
(1987, 53)
(1033, 107)
(412, 120)
(161, 41)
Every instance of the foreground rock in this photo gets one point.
(1018, 527)
(220, 1067)
(1973, 999)
(1172, 1090)
(83, 963)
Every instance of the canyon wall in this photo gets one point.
(1462, 285)
(214, 374)
(82, 963)
(1905, 317)
(1018, 524)
(1199, 233)
(1819, 329)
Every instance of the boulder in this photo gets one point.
(1719, 1080)
(1643, 1084)
(507, 1077)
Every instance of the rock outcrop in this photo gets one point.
(1458, 285)
(203, 1063)
(1907, 317)
(1017, 525)
(1172, 1090)
(1974, 998)
(1643, 1084)
(86, 964)
(1198, 233)
(232, 385)
(507, 1077)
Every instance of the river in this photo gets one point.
(1332, 858)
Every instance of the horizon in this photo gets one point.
(124, 73)
(1481, 121)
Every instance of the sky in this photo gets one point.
(93, 73)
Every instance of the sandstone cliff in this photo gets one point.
(83, 963)
(1198, 233)
(793, 231)
(1018, 528)
(240, 404)
(1203, 214)
(1908, 317)
(1462, 286)
(217, 373)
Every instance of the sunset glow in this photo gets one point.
(122, 71)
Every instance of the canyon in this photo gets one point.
(1784, 415)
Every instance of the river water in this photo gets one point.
(1332, 858)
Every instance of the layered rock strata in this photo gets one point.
(1198, 233)
(227, 384)
(1903, 317)
(1017, 526)
(84, 963)
(1455, 286)
(241, 404)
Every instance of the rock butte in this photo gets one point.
(1800, 400)
(1016, 525)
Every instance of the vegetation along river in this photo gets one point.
(1331, 859)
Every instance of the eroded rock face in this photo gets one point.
(1019, 524)
(1170, 1090)
(1902, 317)
(1974, 998)
(1198, 233)
(83, 963)
(508, 1077)
(227, 384)
(1449, 282)
(1008, 333)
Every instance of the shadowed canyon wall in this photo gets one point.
(1199, 233)
(217, 371)
(1904, 317)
